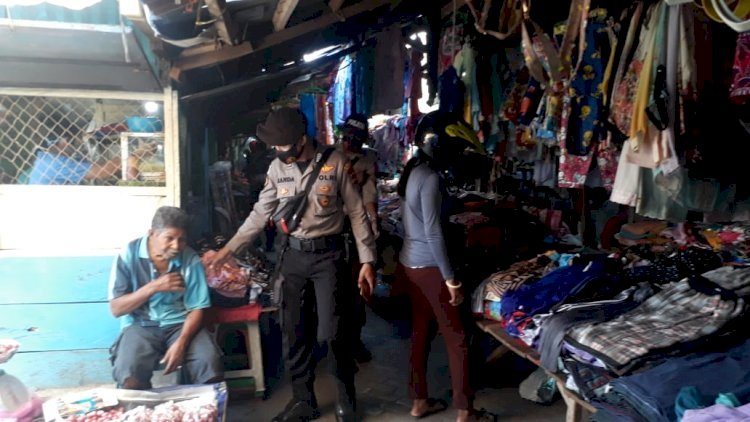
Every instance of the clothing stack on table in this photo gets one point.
(616, 324)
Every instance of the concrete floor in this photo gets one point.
(382, 389)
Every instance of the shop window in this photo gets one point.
(81, 141)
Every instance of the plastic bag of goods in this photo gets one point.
(17, 403)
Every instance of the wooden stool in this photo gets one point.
(249, 315)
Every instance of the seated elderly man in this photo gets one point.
(158, 290)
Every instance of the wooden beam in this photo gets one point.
(319, 23)
(335, 5)
(284, 9)
(199, 58)
(224, 24)
(233, 52)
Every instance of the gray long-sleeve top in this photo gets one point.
(424, 244)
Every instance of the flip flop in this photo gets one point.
(433, 406)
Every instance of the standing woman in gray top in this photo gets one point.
(434, 292)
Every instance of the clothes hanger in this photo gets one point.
(510, 17)
(736, 19)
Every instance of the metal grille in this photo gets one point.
(81, 141)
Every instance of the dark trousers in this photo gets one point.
(360, 313)
(137, 352)
(429, 301)
(318, 307)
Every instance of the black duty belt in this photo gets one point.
(319, 244)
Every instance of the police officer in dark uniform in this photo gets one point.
(317, 289)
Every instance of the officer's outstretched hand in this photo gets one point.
(214, 260)
(366, 281)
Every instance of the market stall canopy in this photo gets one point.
(72, 44)
(39, 57)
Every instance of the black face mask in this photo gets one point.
(290, 156)
(354, 145)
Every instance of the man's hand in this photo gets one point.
(457, 295)
(169, 283)
(366, 281)
(215, 260)
(172, 360)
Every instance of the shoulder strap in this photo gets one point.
(320, 160)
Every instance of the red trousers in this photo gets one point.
(429, 300)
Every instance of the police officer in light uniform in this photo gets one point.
(317, 281)
(362, 168)
(362, 163)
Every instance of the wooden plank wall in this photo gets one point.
(56, 307)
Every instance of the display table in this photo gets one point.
(249, 316)
(577, 408)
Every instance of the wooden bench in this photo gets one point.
(577, 408)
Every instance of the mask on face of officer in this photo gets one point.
(353, 143)
(292, 154)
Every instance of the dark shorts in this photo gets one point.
(138, 350)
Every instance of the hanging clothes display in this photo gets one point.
(466, 67)
(307, 106)
(740, 90)
(452, 92)
(390, 65)
(364, 76)
(414, 83)
(342, 91)
(581, 126)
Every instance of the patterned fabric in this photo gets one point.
(607, 162)
(740, 91)
(673, 268)
(625, 91)
(590, 380)
(580, 127)
(675, 315)
(516, 276)
(553, 289)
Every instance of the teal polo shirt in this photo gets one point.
(133, 269)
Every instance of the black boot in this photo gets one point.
(346, 405)
(361, 354)
(298, 410)
(346, 412)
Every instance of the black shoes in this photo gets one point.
(361, 354)
(297, 411)
(345, 413)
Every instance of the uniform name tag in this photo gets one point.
(285, 180)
